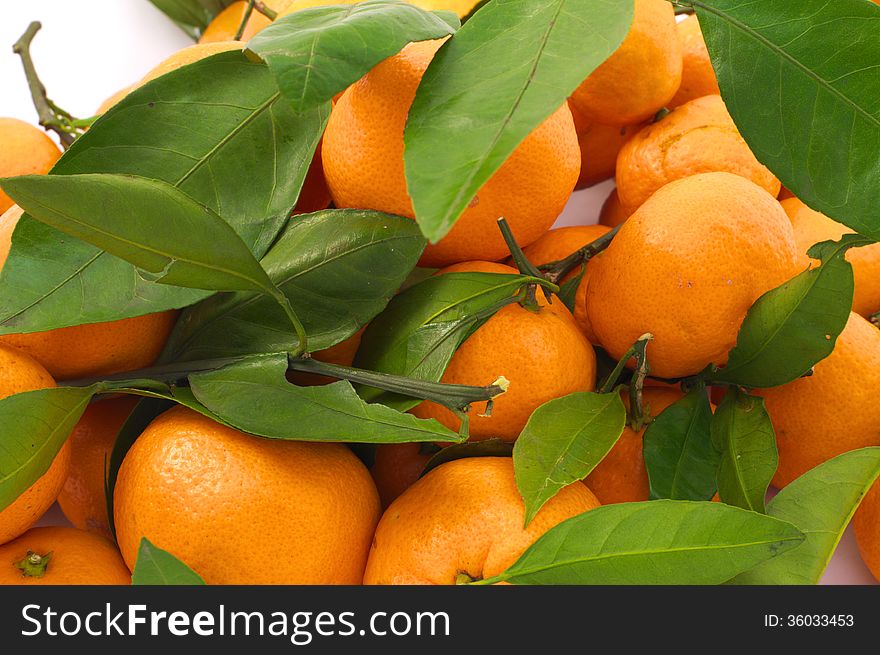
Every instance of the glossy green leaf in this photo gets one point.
(679, 454)
(744, 435)
(151, 224)
(512, 65)
(563, 442)
(155, 566)
(420, 330)
(317, 52)
(800, 80)
(217, 129)
(192, 16)
(255, 396)
(820, 503)
(654, 542)
(33, 427)
(482, 448)
(339, 268)
(793, 327)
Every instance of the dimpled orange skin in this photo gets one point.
(812, 227)
(27, 150)
(613, 213)
(686, 267)
(599, 146)
(464, 517)
(698, 137)
(621, 477)
(697, 75)
(244, 510)
(560, 243)
(641, 76)
(363, 164)
(20, 373)
(83, 499)
(78, 558)
(189, 55)
(867, 527)
(833, 411)
(396, 467)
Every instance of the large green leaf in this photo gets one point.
(155, 566)
(801, 83)
(339, 268)
(820, 503)
(743, 434)
(315, 53)
(563, 442)
(33, 427)
(655, 542)
(793, 327)
(221, 132)
(254, 396)
(504, 72)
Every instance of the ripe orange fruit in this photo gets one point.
(686, 267)
(558, 244)
(113, 100)
(83, 499)
(243, 510)
(832, 411)
(20, 373)
(542, 354)
(396, 467)
(61, 556)
(363, 164)
(697, 75)
(812, 227)
(225, 25)
(314, 195)
(613, 213)
(698, 137)
(641, 76)
(784, 194)
(463, 521)
(622, 477)
(189, 55)
(461, 7)
(867, 527)
(95, 348)
(27, 150)
(599, 146)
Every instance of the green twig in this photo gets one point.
(555, 271)
(244, 21)
(637, 350)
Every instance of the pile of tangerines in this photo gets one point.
(704, 231)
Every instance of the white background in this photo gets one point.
(89, 49)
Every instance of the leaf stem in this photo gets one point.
(637, 350)
(264, 9)
(301, 335)
(555, 271)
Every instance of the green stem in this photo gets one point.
(637, 350)
(555, 271)
(682, 9)
(637, 384)
(301, 335)
(244, 21)
(519, 257)
(268, 12)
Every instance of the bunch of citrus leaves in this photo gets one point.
(252, 235)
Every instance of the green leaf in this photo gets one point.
(793, 327)
(744, 435)
(817, 61)
(654, 542)
(151, 224)
(420, 330)
(482, 448)
(255, 397)
(679, 454)
(33, 427)
(155, 566)
(510, 66)
(568, 289)
(315, 53)
(246, 161)
(820, 503)
(192, 16)
(563, 442)
(339, 268)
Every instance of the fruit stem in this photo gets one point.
(244, 21)
(268, 12)
(682, 9)
(637, 384)
(51, 116)
(34, 565)
(529, 299)
(637, 350)
(555, 271)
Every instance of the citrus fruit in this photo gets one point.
(686, 267)
(461, 7)
(189, 55)
(621, 477)
(811, 227)
(314, 195)
(697, 75)
(463, 521)
(243, 510)
(20, 373)
(613, 213)
(83, 499)
(832, 411)
(114, 100)
(27, 150)
(698, 137)
(599, 146)
(363, 164)
(61, 556)
(641, 76)
(397, 466)
(542, 354)
(226, 24)
(867, 528)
